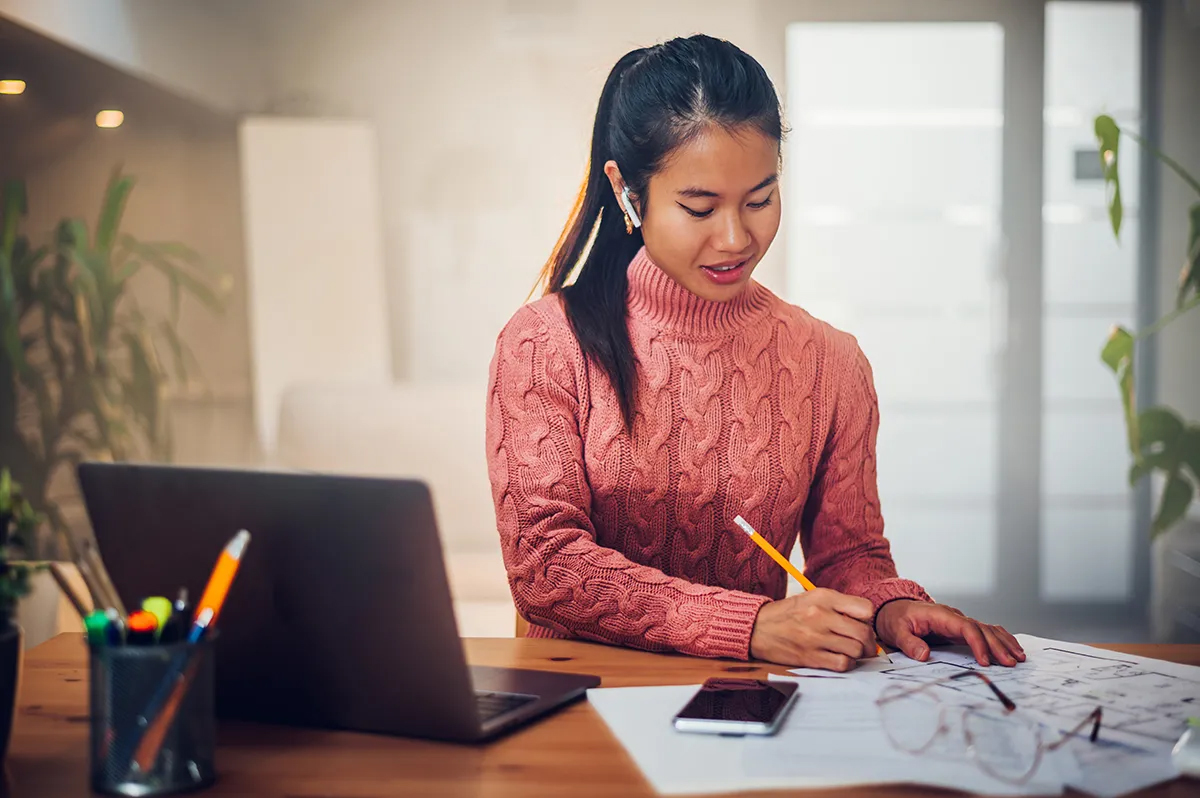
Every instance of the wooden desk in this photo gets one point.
(569, 754)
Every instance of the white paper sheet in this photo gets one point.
(678, 763)
(835, 729)
(834, 737)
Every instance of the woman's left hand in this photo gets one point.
(902, 624)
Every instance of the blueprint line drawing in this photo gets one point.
(1064, 685)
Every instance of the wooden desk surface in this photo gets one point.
(571, 753)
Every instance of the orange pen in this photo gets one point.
(222, 577)
(162, 714)
(787, 565)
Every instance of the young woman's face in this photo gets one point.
(712, 211)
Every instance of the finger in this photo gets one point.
(967, 631)
(1012, 643)
(840, 644)
(833, 661)
(853, 606)
(999, 650)
(857, 631)
(911, 645)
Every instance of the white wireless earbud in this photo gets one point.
(633, 217)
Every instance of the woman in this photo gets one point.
(635, 412)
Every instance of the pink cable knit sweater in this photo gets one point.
(748, 407)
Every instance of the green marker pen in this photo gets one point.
(96, 626)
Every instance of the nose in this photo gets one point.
(733, 237)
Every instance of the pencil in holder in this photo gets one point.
(126, 683)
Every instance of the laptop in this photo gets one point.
(340, 616)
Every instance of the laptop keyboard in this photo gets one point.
(493, 705)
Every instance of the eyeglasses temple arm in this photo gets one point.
(1008, 703)
(1093, 718)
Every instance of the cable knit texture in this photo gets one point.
(748, 407)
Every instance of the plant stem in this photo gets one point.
(1167, 319)
(1168, 160)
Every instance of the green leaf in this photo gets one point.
(177, 348)
(197, 287)
(26, 261)
(13, 205)
(1176, 498)
(112, 208)
(127, 270)
(1109, 137)
(141, 391)
(1160, 425)
(175, 251)
(1189, 278)
(1162, 461)
(71, 236)
(176, 296)
(1118, 356)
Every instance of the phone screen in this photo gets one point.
(739, 700)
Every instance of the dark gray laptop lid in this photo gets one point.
(341, 614)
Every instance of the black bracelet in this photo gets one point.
(875, 619)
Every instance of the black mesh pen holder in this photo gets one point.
(126, 681)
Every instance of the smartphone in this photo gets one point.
(737, 707)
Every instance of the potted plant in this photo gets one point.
(85, 369)
(1161, 442)
(18, 522)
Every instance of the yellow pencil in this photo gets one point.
(785, 563)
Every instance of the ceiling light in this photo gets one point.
(12, 87)
(109, 119)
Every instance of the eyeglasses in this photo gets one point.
(1003, 743)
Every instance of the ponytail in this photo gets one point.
(595, 231)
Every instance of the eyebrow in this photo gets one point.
(701, 192)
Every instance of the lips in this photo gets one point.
(726, 273)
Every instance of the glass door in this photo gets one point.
(944, 205)
(912, 192)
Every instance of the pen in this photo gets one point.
(160, 607)
(170, 695)
(161, 712)
(142, 628)
(95, 623)
(222, 576)
(787, 565)
(152, 724)
(176, 625)
(102, 578)
(64, 585)
(115, 631)
(99, 600)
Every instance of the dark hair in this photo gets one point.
(654, 100)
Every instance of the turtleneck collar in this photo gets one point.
(657, 299)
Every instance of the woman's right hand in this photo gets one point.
(817, 629)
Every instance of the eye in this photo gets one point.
(757, 205)
(695, 214)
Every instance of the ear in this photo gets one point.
(613, 173)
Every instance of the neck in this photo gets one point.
(654, 297)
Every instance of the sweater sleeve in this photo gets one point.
(842, 528)
(560, 577)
